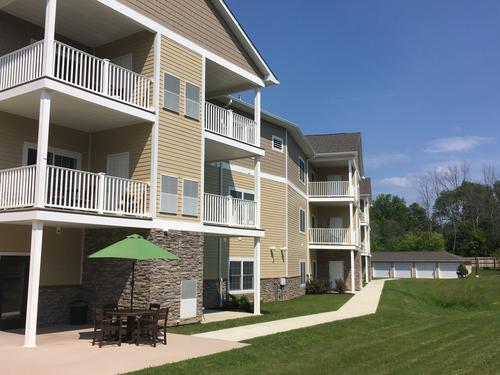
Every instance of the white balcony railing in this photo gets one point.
(70, 189)
(330, 236)
(221, 210)
(329, 189)
(79, 69)
(229, 124)
(363, 217)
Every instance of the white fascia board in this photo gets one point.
(232, 232)
(332, 247)
(155, 26)
(22, 89)
(332, 199)
(234, 143)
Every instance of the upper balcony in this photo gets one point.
(320, 238)
(229, 135)
(329, 192)
(363, 218)
(229, 211)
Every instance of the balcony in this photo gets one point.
(328, 192)
(229, 211)
(74, 190)
(78, 69)
(331, 236)
(363, 218)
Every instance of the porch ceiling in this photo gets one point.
(88, 22)
(221, 81)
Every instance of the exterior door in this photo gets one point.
(336, 271)
(14, 272)
(448, 270)
(118, 165)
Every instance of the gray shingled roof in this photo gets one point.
(341, 142)
(415, 256)
(365, 186)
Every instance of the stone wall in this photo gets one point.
(358, 282)
(156, 281)
(325, 256)
(54, 303)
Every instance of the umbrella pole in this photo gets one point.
(132, 286)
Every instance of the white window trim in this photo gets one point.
(305, 220)
(241, 260)
(54, 150)
(239, 190)
(186, 99)
(282, 144)
(305, 169)
(165, 89)
(182, 192)
(177, 206)
(305, 271)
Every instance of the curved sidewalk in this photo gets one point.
(362, 303)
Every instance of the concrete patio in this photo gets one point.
(68, 350)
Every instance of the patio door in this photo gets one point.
(118, 165)
(336, 271)
(14, 272)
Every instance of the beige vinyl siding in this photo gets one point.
(61, 253)
(237, 180)
(198, 21)
(323, 173)
(179, 143)
(274, 162)
(212, 179)
(297, 241)
(293, 164)
(134, 139)
(273, 221)
(323, 215)
(245, 163)
(16, 130)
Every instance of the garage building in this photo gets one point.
(416, 264)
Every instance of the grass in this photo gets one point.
(305, 305)
(421, 327)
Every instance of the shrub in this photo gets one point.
(462, 271)
(238, 303)
(340, 286)
(318, 287)
(245, 304)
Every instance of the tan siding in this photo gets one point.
(274, 162)
(297, 241)
(198, 21)
(323, 215)
(293, 153)
(323, 173)
(134, 139)
(212, 179)
(237, 180)
(61, 253)
(179, 146)
(15, 130)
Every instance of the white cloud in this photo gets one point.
(455, 144)
(380, 160)
(402, 182)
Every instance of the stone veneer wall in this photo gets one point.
(357, 271)
(54, 303)
(325, 256)
(156, 281)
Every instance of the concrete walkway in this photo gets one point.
(211, 316)
(363, 303)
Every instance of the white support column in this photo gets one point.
(360, 277)
(257, 189)
(257, 111)
(351, 223)
(256, 276)
(367, 271)
(33, 284)
(49, 37)
(42, 148)
(353, 288)
(349, 164)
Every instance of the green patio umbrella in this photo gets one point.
(134, 247)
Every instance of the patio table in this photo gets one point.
(130, 315)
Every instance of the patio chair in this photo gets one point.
(162, 323)
(107, 329)
(146, 328)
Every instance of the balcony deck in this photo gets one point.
(331, 191)
(228, 211)
(331, 237)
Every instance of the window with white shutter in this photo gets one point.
(190, 198)
(168, 195)
(192, 101)
(172, 87)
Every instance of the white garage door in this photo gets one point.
(425, 270)
(402, 270)
(448, 270)
(381, 270)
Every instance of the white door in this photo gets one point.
(381, 270)
(402, 270)
(448, 270)
(336, 271)
(336, 222)
(425, 270)
(118, 165)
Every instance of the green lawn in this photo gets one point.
(421, 327)
(305, 305)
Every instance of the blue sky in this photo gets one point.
(420, 79)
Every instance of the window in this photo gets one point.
(192, 101)
(171, 92)
(168, 195)
(190, 198)
(302, 220)
(302, 169)
(240, 275)
(241, 194)
(56, 157)
(302, 266)
(277, 143)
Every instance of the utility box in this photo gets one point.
(282, 281)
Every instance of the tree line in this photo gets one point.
(454, 213)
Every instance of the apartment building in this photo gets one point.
(115, 119)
